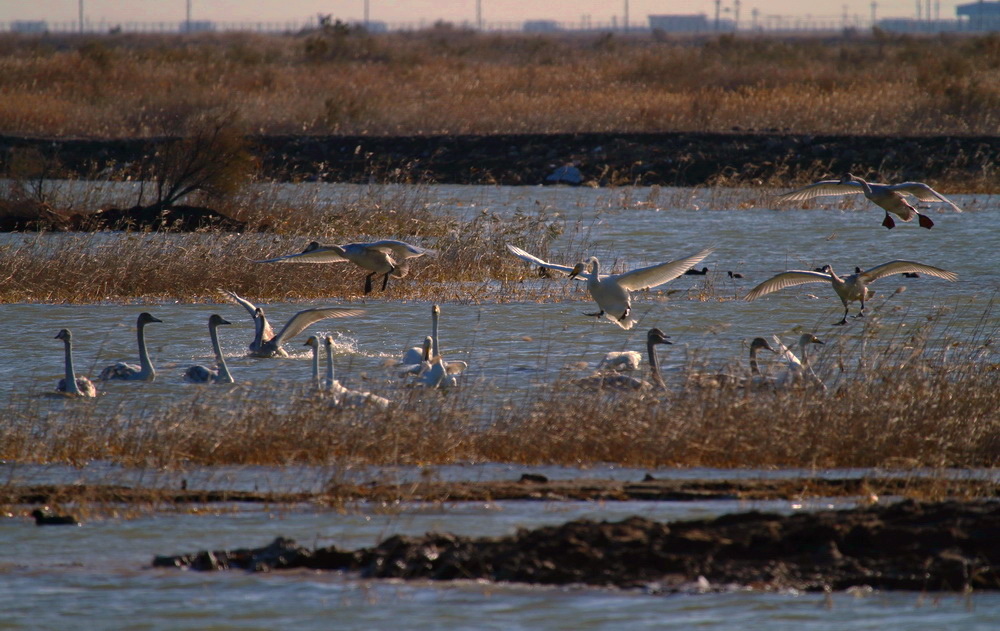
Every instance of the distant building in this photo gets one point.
(979, 16)
(29, 26)
(197, 26)
(680, 23)
(540, 26)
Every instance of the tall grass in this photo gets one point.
(451, 81)
(917, 401)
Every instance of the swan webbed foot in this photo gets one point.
(624, 315)
(925, 221)
(595, 315)
(888, 222)
(841, 323)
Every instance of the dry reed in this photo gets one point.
(451, 82)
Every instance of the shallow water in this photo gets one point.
(99, 573)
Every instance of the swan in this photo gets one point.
(385, 258)
(624, 382)
(889, 197)
(853, 288)
(611, 292)
(415, 355)
(797, 371)
(130, 372)
(266, 344)
(342, 397)
(201, 374)
(71, 385)
(721, 379)
(620, 361)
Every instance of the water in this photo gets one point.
(98, 574)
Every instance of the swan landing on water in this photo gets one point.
(611, 291)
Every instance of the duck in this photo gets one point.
(889, 197)
(853, 288)
(380, 258)
(611, 292)
(130, 372)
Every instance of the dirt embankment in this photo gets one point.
(908, 545)
(676, 159)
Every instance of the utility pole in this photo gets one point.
(874, 9)
(187, 22)
(81, 17)
(479, 14)
(736, 15)
(625, 23)
(718, 8)
(754, 12)
(366, 14)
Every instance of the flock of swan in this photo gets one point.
(389, 258)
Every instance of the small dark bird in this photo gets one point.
(911, 275)
(43, 519)
(735, 275)
(694, 272)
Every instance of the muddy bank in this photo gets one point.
(908, 545)
(676, 159)
(527, 487)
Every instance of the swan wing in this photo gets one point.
(901, 267)
(786, 353)
(303, 319)
(786, 279)
(314, 253)
(397, 249)
(249, 306)
(823, 188)
(923, 192)
(646, 277)
(524, 256)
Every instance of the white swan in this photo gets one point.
(610, 292)
(313, 342)
(853, 288)
(201, 374)
(888, 197)
(345, 397)
(266, 344)
(797, 372)
(71, 385)
(723, 379)
(415, 354)
(620, 361)
(130, 372)
(613, 381)
(385, 258)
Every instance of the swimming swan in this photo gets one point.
(853, 288)
(201, 374)
(797, 371)
(888, 197)
(611, 292)
(130, 372)
(415, 355)
(71, 385)
(385, 258)
(723, 379)
(624, 382)
(346, 397)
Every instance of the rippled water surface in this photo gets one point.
(98, 573)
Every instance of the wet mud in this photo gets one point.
(908, 545)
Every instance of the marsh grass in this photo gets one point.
(447, 81)
(919, 400)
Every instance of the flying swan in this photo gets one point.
(853, 288)
(611, 292)
(889, 197)
(130, 372)
(381, 258)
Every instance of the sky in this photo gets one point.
(433, 10)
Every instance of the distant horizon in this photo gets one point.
(457, 11)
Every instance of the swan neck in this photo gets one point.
(434, 333)
(145, 364)
(329, 366)
(71, 386)
(224, 376)
(754, 370)
(315, 364)
(654, 365)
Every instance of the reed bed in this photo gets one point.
(449, 81)
(919, 400)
